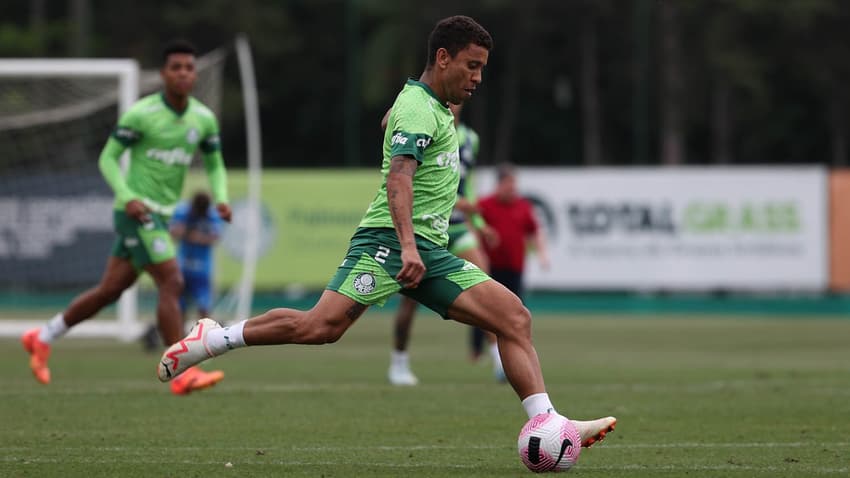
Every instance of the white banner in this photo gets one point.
(687, 228)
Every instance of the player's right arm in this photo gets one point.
(400, 200)
(125, 135)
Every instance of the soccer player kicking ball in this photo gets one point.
(163, 131)
(400, 243)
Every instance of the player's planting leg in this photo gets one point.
(324, 323)
(493, 307)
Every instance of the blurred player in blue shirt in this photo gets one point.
(196, 227)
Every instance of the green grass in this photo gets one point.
(696, 397)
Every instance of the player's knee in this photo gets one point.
(322, 335)
(518, 325)
(322, 330)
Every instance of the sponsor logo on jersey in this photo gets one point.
(169, 157)
(212, 141)
(131, 242)
(448, 160)
(364, 283)
(192, 136)
(438, 223)
(398, 139)
(423, 142)
(126, 134)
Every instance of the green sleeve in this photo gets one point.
(129, 128)
(211, 142)
(110, 166)
(217, 174)
(213, 161)
(412, 129)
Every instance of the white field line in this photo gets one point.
(88, 460)
(104, 387)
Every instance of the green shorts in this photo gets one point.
(461, 239)
(367, 275)
(142, 244)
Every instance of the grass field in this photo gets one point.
(695, 397)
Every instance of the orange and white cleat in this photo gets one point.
(39, 353)
(594, 431)
(186, 353)
(194, 379)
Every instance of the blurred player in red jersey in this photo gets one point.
(513, 219)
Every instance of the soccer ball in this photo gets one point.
(549, 442)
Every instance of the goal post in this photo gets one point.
(126, 74)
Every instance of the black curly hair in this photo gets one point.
(177, 46)
(454, 34)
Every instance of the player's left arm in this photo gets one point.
(216, 172)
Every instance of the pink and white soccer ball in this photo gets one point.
(549, 442)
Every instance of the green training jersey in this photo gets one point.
(162, 144)
(421, 126)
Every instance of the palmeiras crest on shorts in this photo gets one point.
(159, 245)
(364, 283)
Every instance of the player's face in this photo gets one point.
(179, 74)
(507, 189)
(463, 73)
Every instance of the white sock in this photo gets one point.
(400, 358)
(221, 340)
(497, 359)
(538, 403)
(54, 329)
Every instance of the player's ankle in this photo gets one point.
(221, 340)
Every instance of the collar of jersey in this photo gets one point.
(411, 81)
(168, 105)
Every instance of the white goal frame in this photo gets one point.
(127, 72)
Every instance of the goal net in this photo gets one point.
(55, 208)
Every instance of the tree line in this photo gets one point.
(569, 82)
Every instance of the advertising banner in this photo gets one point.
(308, 217)
(680, 228)
(55, 229)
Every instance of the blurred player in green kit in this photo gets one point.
(162, 132)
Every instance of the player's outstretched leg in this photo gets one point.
(323, 324)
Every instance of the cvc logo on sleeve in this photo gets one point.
(364, 283)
